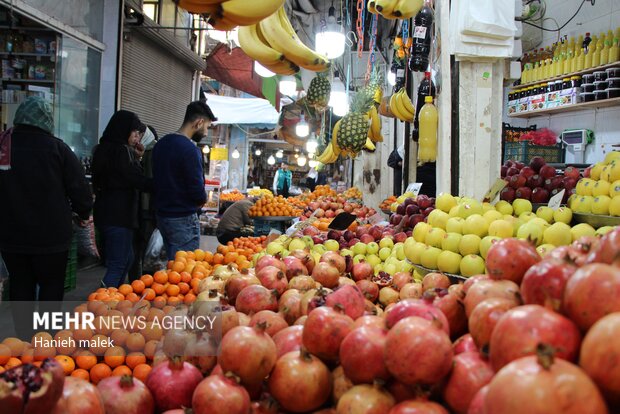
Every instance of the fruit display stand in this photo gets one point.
(596, 220)
(264, 225)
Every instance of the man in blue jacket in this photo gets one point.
(178, 180)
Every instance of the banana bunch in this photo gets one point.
(401, 106)
(374, 133)
(395, 9)
(228, 14)
(255, 46)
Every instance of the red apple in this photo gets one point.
(524, 192)
(547, 171)
(571, 172)
(512, 171)
(395, 219)
(507, 194)
(400, 237)
(519, 165)
(569, 183)
(586, 172)
(401, 209)
(415, 219)
(517, 181)
(504, 171)
(367, 238)
(527, 172)
(553, 183)
(424, 201)
(540, 195)
(537, 163)
(428, 210)
(412, 209)
(535, 181)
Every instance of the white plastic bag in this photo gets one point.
(489, 18)
(155, 245)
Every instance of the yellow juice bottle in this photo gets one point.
(429, 119)
(605, 53)
(580, 65)
(587, 63)
(614, 52)
(596, 56)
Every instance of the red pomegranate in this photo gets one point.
(422, 308)
(367, 399)
(326, 274)
(255, 298)
(484, 318)
(306, 259)
(411, 291)
(544, 283)
(266, 405)
(435, 280)
(539, 384)
(273, 279)
(418, 407)
(229, 317)
(248, 353)
(79, 397)
(324, 331)
(268, 260)
(361, 355)
(401, 279)
(599, 348)
(476, 406)
(464, 344)
(473, 280)
(470, 372)
(289, 305)
(370, 321)
(125, 395)
(237, 284)
(486, 289)
(361, 271)
(334, 259)
(31, 389)
(288, 340)
(417, 342)
(509, 259)
(220, 394)
(172, 383)
(402, 392)
(300, 382)
(591, 293)
(369, 289)
(349, 298)
(341, 384)
(294, 267)
(274, 322)
(607, 251)
(521, 329)
(452, 307)
(302, 283)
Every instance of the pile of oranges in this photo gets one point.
(297, 202)
(321, 191)
(274, 206)
(233, 195)
(387, 203)
(240, 251)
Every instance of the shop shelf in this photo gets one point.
(27, 80)
(605, 103)
(568, 75)
(33, 54)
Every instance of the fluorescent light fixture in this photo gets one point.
(391, 78)
(338, 99)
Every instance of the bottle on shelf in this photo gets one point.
(426, 88)
(429, 119)
(556, 59)
(596, 56)
(605, 53)
(587, 62)
(614, 51)
(421, 46)
(579, 60)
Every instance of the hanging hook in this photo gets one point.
(347, 38)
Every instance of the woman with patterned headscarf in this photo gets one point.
(42, 184)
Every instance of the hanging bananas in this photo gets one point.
(227, 14)
(401, 106)
(374, 133)
(395, 9)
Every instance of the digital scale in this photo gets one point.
(576, 141)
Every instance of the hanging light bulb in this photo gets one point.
(206, 149)
(302, 129)
(313, 163)
(258, 152)
(262, 71)
(391, 78)
(296, 156)
(301, 161)
(288, 85)
(271, 160)
(331, 41)
(312, 145)
(279, 154)
(338, 99)
(235, 153)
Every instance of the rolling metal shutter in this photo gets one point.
(155, 84)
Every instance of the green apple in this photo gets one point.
(331, 245)
(543, 249)
(487, 207)
(399, 251)
(386, 242)
(501, 228)
(405, 266)
(604, 230)
(558, 234)
(582, 229)
(521, 205)
(390, 269)
(531, 231)
(471, 265)
(504, 207)
(429, 257)
(384, 253)
(516, 224)
(319, 248)
(434, 237)
(527, 216)
(469, 207)
(420, 231)
(410, 242)
(307, 240)
(470, 244)
(492, 215)
(583, 204)
(285, 253)
(455, 225)
(438, 218)
(600, 205)
(449, 262)
(373, 259)
(476, 224)
(454, 211)
(372, 248)
(417, 276)
(358, 258)
(545, 213)
(486, 243)
(346, 252)
(451, 242)
(414, 252)
(445, 202)
(275, 247)
(541, 222)
(378, 268)
(359, 248)
(571, 201)
(391, 260)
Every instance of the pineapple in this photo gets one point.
(355, 124)
(318, 92)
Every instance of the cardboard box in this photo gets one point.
(553, 99)
(537, 102)
(569, 96)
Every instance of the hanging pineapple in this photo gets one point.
(319, 92)
(353, 131)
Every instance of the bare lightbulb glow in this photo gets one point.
(311, 145)
(302, 129)
(301, 161)
(258, 152)
(313, 163)
(262, 71)
(288, 85)
(331, 42)
(235, 153)
(271, 160)
(279, 154)
(338, 100)
(391, 78)
(206, 149)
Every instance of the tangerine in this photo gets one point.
(142, 371)
(99, 372)
(67, 363)
(81, 373)
(121, 370)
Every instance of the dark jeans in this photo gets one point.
(227, 236)
(140, 241)
(179, 233)
(118, 243)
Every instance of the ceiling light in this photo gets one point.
(271, 160)
(302, 129)
(288, 85)
(311, 145)
(313, 163)
(331, 41)
(391, 78)
(279, 154)
(301, 161)
(206, 149)
(296, 156)
(338, 99)
(235, 153)
(262, 71)
(258, 152)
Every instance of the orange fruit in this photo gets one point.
(150, 348)
(119, 337)
(114, 356)
(121, 370)
(138, 286)
(125, 289)
(160, 276)
(82, 334)
(67, 363)
(183, 287)
(134, 359)
(173, 290)
(98, 344)
(189, 298)
(99, 372)
(147, 280)
(186, 277)
(135, 342)
(178, 266)
(158, 288)
(12, 363)
(218, 258)
(92, 297)
(85, 360)
(173, 301)
(159, 302)
(5, 354)
(27, 356)
(199, 254)
(142, 371)
(179, 254)
(174, 277)
(132, 297)
(208, 257)
(81, 373)
(149, 294)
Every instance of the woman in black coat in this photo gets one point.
(117, 180)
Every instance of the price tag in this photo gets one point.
(494, 191)
(414, 188)
(419, 32)
(375, 219)
(556, 200)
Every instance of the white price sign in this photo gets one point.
(414, 188)
(556, 201)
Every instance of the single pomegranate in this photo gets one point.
(266, 405)
(306, 259)
(607, 251)
(172, 383)
(521, 329)
(540, 384)
(411, 291)
(473, 280)
(362, 271)
(544, 283)
(78, 397)
(401, 279)
(125, 395)
(418, 407)
(302, 283)
(301, 321)
(273, 322)
(599, 348)
(417, 342)
(344, 281)
(289, 305)
(591, 293)
(470, 372)
(229, 318)
(451, 306)
(361, 355)
(273, 279)
(288, 340)
(220, 394)
(306, 375)
(348, 298)
(435, 280)
(336, 260)
(484, 318)
(294, 267)
(370, 321)
(367, 399)
(422, 308)
(326, 274)
(341, 384)
(324, 331)
(244, 320)
(402, 392)
(255, 298)
(486, 289)
(237, 284)
(582, 247)
(369, 289)
(509, 259)
(269, 260)
(476, 406)
(464, 344)
(248, 353)
(313, 299)
(31, 389)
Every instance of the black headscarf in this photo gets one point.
(120, 126)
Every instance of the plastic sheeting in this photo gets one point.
(230, 110)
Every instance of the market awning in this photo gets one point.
(230, 110)
(235, 69)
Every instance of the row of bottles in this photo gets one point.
(569, 56)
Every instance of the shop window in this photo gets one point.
(151, 9)
(82, 15)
